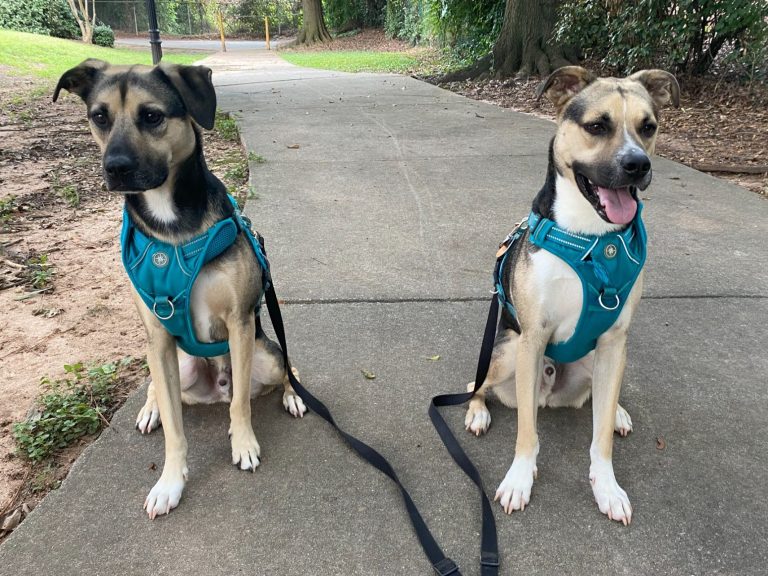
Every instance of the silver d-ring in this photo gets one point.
(173, 311)
(600, 300)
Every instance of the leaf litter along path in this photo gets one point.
(53, 205)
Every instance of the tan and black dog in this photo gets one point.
(599, 158)
(146, 122)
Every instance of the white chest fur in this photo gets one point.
(160, 204)
(560, 293)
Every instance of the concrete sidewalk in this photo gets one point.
(381, 228)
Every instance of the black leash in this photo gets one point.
(489, 547)
(443, 565)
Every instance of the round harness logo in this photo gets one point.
(160, 259)
(610, 251)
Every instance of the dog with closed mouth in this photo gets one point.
(570, 276)
(146, 121)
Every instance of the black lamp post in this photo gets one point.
(154, 33)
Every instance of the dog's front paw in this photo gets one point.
(623, 423)
(245, 449)
(610, 497)
(166, 494)
(514, 492)
(291, 402)
(149, 417)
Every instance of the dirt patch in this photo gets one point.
(720, 127)
(63, 292)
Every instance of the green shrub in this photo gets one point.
(678, 35)
(62, 23)
(467, 28)
(103, 36)
(25, 15)
(49, 17)
(346, 15)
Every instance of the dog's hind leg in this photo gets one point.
(622, 423)
(268, 374)
(292, 403)
(149, 416)
(573, 386)
(500, 373)
(192, 370)
(245, 447)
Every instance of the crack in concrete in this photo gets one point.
(427, 300)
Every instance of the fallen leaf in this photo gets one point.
(660, 443)
(368, 375)
(434, 358)
(47, 312)
(153, 466)
(12, 520)
(293, 146)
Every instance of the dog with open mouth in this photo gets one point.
(198, 272)
(569, 277)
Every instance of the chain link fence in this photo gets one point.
(200, 18)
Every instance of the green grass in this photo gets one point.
(70, 408)
(256, 158)
(32, 54)
(353, 61)
(226, 127)
(41, 271)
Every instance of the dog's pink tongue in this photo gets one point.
(619, 205)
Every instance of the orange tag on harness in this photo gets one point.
(503, 249)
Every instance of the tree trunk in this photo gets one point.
(525, 45)
(705, 58)
(82, 17)
(313, 29)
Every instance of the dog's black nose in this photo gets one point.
(119, 165)
(636, 164)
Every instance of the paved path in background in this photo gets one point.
(383, 200)
(201, 45)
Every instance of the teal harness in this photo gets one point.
(607, 265)
(163, 274)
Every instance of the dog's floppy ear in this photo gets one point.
(661, 85)
(80, 79)
(564, 83)
(195, 87)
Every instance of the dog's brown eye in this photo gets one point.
(99, 118)
(648, 129)
(596, 128)
(152, 118)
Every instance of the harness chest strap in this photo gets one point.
(163, 274)
(607, 266)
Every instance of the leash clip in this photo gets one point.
(170, 303)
